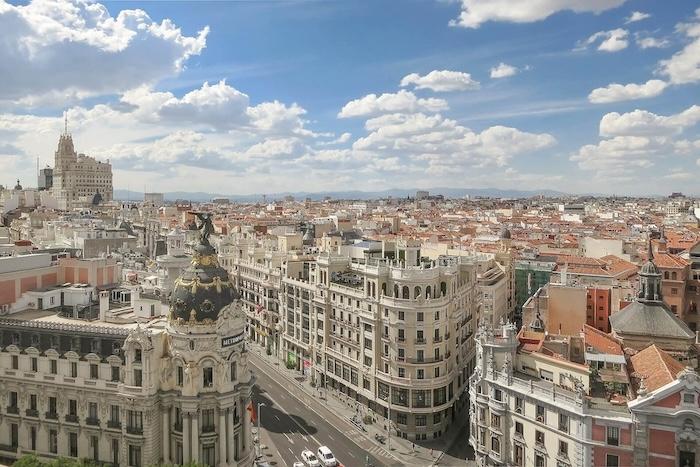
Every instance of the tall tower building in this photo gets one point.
(79, 180)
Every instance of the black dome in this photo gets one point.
(202, 290)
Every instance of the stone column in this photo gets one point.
(185, 438)
(195, 437)
(165, 415)
(229, 440)
(222, 436)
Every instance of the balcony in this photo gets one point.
(72, 418)
(134, 430)
(437, 339)
(400, 339)
(13, 409)
(32, 413)
(115, 424)
(420, 340)
(51, 416)
(208, 429)
(94, 421)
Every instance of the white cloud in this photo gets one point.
(441, 81)
(644, 123)
(652, 43)
(57, 50)
(636, 140)
(684, 66)
(444, 143)
(679, 175)
(637, 16)
(503, 71)
(610, 41)
(476, 12)
(402, 101)
(624, 92)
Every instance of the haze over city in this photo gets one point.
(253, 97)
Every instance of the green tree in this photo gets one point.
(28, 460)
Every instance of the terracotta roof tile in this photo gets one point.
(600, 341)
(655, 367)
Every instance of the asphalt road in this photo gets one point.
(293, 426)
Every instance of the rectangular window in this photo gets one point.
(53, 441)
(519, 428)
(114, 414)
(115, 374)
(134, 456)
(519, 408)
(14, 435)
(234, 371)
(15, 362)
(136, 420)
(52, 405)
(180, 375)
(437, 371)
(138, 377)
(92, 410)
(563, 449)
(563, 423)
(115, 451)
(35, 364)
(613, 433)
(495, 445)
(420, 374)
(53, 367)
(421, 420)
(368, 343)
(137, 356)
(539, 460)
(72, 407)
(546, 375)
(419, 316)
(208, 377)
(498, 394)
(94, 370)
(401, 418)
(73, 444)
(74, 369)
(539, 437)
(541, 414)
(611, 460)
(518, 455)
(401, 316)
(208, 421)
(32, 438)
(495, 421)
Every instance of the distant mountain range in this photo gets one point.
(199, 196)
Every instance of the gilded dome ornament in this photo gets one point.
(203, 289)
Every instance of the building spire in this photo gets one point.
(65, 122)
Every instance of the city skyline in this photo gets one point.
(242, 98)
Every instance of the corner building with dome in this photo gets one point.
(131, 391)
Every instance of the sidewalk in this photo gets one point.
(429, 453)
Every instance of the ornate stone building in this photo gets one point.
(137, 392)
(79, 180)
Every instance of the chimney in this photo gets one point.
(104, 305)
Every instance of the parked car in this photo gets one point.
(298, 464)
(326, 457)
(310, 459)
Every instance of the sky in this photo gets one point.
(243, 97)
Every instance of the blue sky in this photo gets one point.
(598, 96)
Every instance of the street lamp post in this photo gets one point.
(388, 425)
(260, 404)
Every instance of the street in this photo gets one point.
(293, 427)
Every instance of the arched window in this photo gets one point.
(665, 274)
(443, 288)
(396, 291)
(406, 292)
(383, 288)
(674, 275)
(416, 292)
(427, 292)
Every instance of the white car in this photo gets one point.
(310, 459)
(298, 464)
(326, 456)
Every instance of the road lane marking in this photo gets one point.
(305, 438)
(278, 419)
(288, 438)
(293, 419)
(331, 437)
(351, 454)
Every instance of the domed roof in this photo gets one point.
(649, 269)
(505, 233)
(18, 187)
(203, 289)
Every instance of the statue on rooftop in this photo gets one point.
(206, 226)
